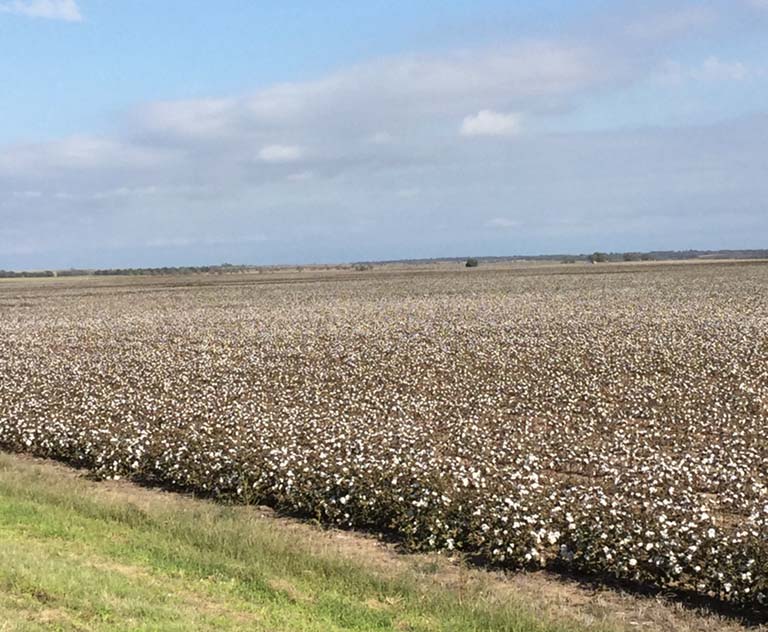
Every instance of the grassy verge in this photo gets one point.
(78, 555)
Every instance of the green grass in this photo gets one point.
(79, 555)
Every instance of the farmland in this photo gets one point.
(607, 420)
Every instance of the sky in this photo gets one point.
(184, 132)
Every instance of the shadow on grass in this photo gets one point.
(747, 616)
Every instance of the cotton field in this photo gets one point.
(611, 419)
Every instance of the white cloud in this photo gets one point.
(301, 176)
(281, 153)
(27, 195)
(569, 191)
(672, 23)
(381, 138)
(197, 119)
(714, 69)
(66, 10)
(170, 242)
(502, 223)
(490, 123)
(124, 192)
(178, 241)
(385, 100)
(711, 69)
(80, 153)
(670, 73)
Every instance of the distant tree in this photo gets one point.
(646, 257)
(568, 260)
(471, 263)
(598, 257)
(630, 256)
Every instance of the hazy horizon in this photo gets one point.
(146, 135)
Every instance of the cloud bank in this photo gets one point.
(65, 10)
(490, 123)
(449, 153)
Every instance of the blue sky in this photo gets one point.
(169, 133)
